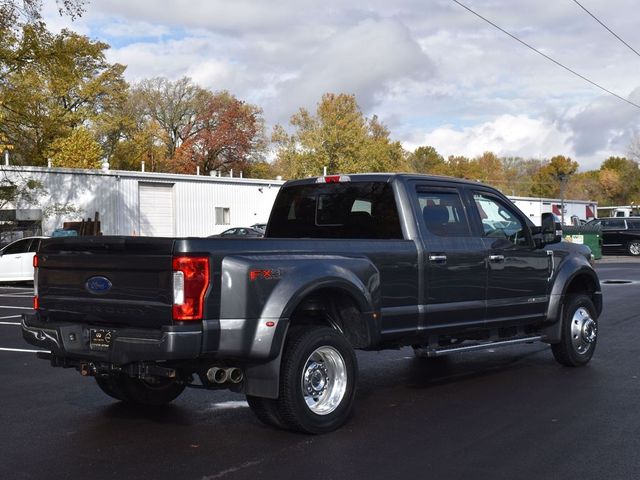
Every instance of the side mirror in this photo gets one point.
(551, 230)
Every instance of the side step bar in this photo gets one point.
(437, 352)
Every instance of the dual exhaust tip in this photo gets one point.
(224, 375)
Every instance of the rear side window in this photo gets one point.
(443, 214)
(336, 210)
(633, 224)
(614, 224)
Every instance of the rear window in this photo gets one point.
(336, 210)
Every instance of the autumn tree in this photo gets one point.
(620, 179)
(226, 134)
(462, 167)
(339, 137)
(78, 150)
(553, 176)
(15, 13)
(173, 106)
(426, 159)
(68, 84)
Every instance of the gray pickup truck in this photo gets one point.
(371, 262)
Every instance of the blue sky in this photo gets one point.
(435, 74)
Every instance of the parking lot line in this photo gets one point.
(22, 350)
(9, 323)
(16, 308)
(10, 316)
(16, 295)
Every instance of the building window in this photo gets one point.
(223, 216)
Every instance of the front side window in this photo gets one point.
(21, 246)
(443, 214)
(500, 221)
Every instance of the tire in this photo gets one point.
(579, 332)
(266, 409)
(633, 247)
(317, 360)
(135, 391)
(109, 386)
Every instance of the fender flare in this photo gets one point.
(564, 278)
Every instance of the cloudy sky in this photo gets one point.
(433, 72)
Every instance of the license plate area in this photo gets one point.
(100, 338)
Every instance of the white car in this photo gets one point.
(16, 260)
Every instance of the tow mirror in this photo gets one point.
(551, 230)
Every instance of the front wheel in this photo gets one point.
(579, 332)
(633, 247)
(317, 380)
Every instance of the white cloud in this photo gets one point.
(507, 135)
(432, 71)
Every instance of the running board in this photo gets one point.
(470, 348)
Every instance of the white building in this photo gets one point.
(139, 203)
(534, 208)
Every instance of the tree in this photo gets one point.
(68, 84)
(549, 180)
(627, 189)
(427, 160)
(338, 137)
(226, 134)
(15, 13)
(173, 105)
(462, 167)
(78, 150)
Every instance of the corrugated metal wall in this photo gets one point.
(115, 195)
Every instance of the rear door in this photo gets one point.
(455, 267)
(13, 258)
(518, 272)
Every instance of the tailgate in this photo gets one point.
(106, 280)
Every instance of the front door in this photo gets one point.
(455, 268)
(518, 281)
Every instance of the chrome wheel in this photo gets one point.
(584, 330)
(324, 380)
(634, 248)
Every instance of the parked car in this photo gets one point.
(16, 260)
(619, 235)
(241, 232)
(260, 226)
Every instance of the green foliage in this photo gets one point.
(549, 180)
(427, 160)
(78, 150)
(337, 137)
(67, 83)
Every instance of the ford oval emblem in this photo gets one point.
(98, 285)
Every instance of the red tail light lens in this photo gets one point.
(190, 282)
(36, 300)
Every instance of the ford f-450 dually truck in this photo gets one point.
(367, 261)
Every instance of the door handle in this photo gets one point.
(438, 258)
(496, 258)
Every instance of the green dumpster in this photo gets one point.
(589, 235)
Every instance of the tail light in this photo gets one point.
(36, 300)
(190, 282)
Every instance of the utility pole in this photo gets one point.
(563, 181)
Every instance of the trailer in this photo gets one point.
(574, 210)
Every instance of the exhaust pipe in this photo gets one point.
(224, 375)
(217, 375)
(235, 375)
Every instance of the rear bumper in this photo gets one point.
(71, 340)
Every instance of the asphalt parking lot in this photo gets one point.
(504, 413)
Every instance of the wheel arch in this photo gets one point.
(583, 281)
